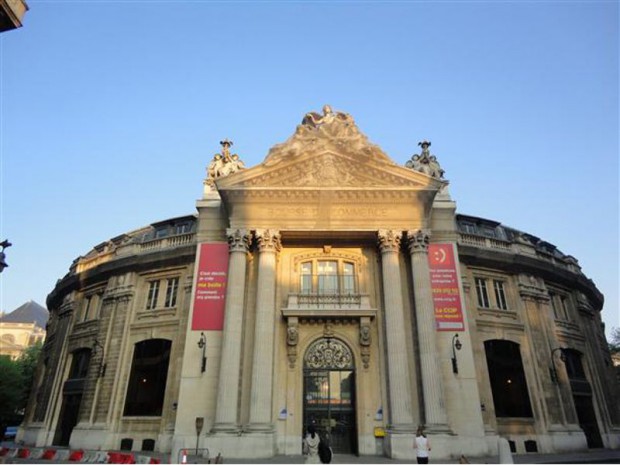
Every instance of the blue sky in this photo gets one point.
(111, 111)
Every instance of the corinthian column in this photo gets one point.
(228, 387)
(398, 368)
(434, 408)
(262, 368)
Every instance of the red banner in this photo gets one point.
(445, 288)
(210, 290)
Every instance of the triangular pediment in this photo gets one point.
(326, 151)
(329, 169)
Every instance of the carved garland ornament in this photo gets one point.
(328, 354)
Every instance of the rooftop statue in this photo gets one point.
(425, 162)
(333, 131)
(222, 165)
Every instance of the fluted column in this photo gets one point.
(228, 386)
(434, 407)
(398, 368)
(262, 367)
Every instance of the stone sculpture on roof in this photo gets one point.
(333, 131)
(222, 165)
(425, 162)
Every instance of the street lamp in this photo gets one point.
(4, 244)
(456, 345)
(552, 370)
(202, 344)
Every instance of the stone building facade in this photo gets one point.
(327, 285)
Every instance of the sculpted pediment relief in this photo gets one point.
(327, 170)
(328, 151)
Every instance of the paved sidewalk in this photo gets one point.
(591, 456)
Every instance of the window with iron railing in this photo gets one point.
(328, 280)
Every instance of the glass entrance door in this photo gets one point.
(329, 404)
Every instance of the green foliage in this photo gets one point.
(16, 377)
(28, 365)
(614, 343)
(11, 390)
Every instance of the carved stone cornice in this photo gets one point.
(238, 240)
(268, 240)
(389, 240)
(418, 241)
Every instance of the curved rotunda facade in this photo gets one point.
(327, 285)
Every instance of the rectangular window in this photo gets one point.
(348, 279)
(564, 305)
(306, 278)
(182, 228)
(328, 277)
(554, 305)
(481, 291)
(171, 292)
(500, 295)
(87, 306)
(468, 228)
(151, 301)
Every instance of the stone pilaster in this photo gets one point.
(432, 388)
(398, 368)
(268, 241)
(228, 385)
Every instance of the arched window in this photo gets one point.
(147, 382)
(508, 383)
(9, 338)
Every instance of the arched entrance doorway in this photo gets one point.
(329, 393)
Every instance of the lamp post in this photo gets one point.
(456, 345)
(202, 344)
(552, 370)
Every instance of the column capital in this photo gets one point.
(238, 240)
(389, 240)
(268, 240)
(417, 240)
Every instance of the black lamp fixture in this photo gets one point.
(3, 264)
(102, 365)
(456, 345)
(552, 370)
(202, 344)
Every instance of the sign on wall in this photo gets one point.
(445, 288)
(210, 289)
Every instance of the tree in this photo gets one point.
(16, 377)
(614, 343)
(28, 366)
(11, 391)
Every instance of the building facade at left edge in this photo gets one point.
(12, 13)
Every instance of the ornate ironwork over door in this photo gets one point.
(329, 393)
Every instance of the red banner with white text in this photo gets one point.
(445, 288)
(210, 290)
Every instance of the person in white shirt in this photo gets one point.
(422, 445)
